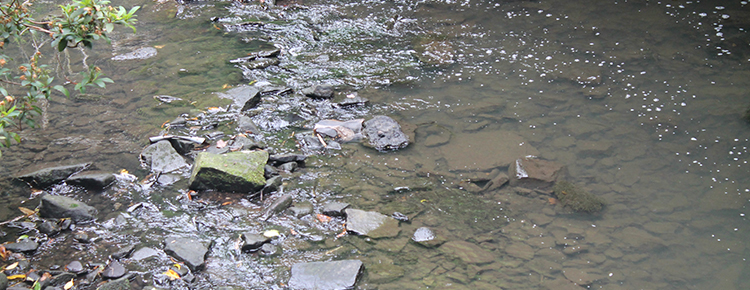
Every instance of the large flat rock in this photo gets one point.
(484, 151)
(57, 206)
(240, 171)
(189, 250)
(332, 275)
(468, 253)
(371, 224)
(52, 175)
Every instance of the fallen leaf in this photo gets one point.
(19, 276)
(552, 200)
(26, 211)
(68, 285)
(158, 46)
(11, 266)
(271, 233)
(341, 234)
(172, 275)
(323, 218)
(3, 252)
(124, 171)
(177, 265)
(221, 144)
(226, 203)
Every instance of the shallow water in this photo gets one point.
(641, 101)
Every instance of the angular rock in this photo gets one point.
(240, 171)
(318, 92)
(333, 275)
(124, 252)
(371, 224)
(49, 228)
(239, 95)
(288, 167)
(145, 253)
(468, 253)
(246, 125)
(334, 208)
(341, 131)
(384, 133)
(269, 171)
(60, 279)
(91, 180)
(49, 176)
(114, 270)
(269, 250)
(272, 184)
(301, 209)
(252, 101)
(278, 205)
(534, 173)
(74, 267)
(189, 250)
(279, 159)
(25, 245)
(56, 206)
(243, 143)
(353, 99)
(252, 242)
(497, 182)
(118, 284)
(162, 157)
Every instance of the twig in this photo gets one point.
(16, 219)
(320, 138)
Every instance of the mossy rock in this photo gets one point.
(576, 198)
(240, 171)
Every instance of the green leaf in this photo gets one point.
(62, 44)
(62, 90)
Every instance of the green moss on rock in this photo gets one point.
(240, 171)
(576, 198)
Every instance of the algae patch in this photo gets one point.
(576, 198)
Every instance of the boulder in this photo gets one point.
(534, 173)
(371, 224)
(162, 157)
(91, 180)
(240, 171)
(56, 206)
(332, 275)
(384, 133)
(318, 92)
(49, 176)
(189, 250)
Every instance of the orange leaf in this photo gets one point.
(3, 252)
(323, 218)
(552, 200)
(26, 211)
(172, 275)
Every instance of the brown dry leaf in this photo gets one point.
(552, 200)
(323, 218)
(11, 266)
(172, 275)
(68, 285)
(221, 144)
(226, 203)
(3, 252)
(26, 211)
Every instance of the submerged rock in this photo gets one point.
(189, 250)
(333, 275)
(384, 134)
(162, 157)
(240, 171)
(278, 205)
(141, 53)
(52, 175)
(576, 198)
(371, 224)
(534, 173)
(56, 206)
(468, 253)
(91, 180)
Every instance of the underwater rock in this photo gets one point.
(278, 205)
(25, 245)
(534, 173)
(46, 177)
(353, 99)
(332, 275)
(301, 209)
(468, 253)
(384, 133)
(520, 250)
(318, 92)
(576, 198)
(240, 171)
(497, 182)
(162, 157)
(371, 224)
(141, 53)
(426, 237)
(56, 206)
(189, 250)
(91, 180)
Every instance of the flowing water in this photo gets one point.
(642, 101)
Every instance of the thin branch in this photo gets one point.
(38, 28)
(10, 82)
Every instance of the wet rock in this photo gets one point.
(576, 198)
(288, 167)
(272, 184)
(269, 171)
(301, 209)
(468, 253)
(91, 180)
(49, 228)
(74, 267)
(334, 208)
(534, 173)
(25, 245)
(81, 237)
(261, 63)
(252, 242)
(353, 99)
(162, 157)
(269, 250)
(384, 133)
(318, 92)
(285, 158)
(370, 223)
(497, 182)
(189, 250)
(240, 171)
(639, 240)
(243, 143)
(3, 281)
(426, 237)
(182, 147)
(341, 131)
(383, 271)
(520, 250)
(278, 205)
(60, 279)
(118, 284)
(246, 125)
(114, 270)
(145, 253)
(578, 276)
(490, 149)
(49, 176)
(436, 52)
(141, 53)
(332, 275)
(252, 100)
(400, 217)
(124, 252)
(56, 206)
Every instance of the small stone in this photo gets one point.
(162, 157)
(49, 228)
(400, 217)
(124, 252)
(145, 253)
(335, 209)
(371, 224)
(318, 92)
(114, 270)
(534, 173)
(301, 209)
(288, 167)
(423, 234)
(81, 237)
(74, 267)
(252, 242)
(278, 205)
(269, 250)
